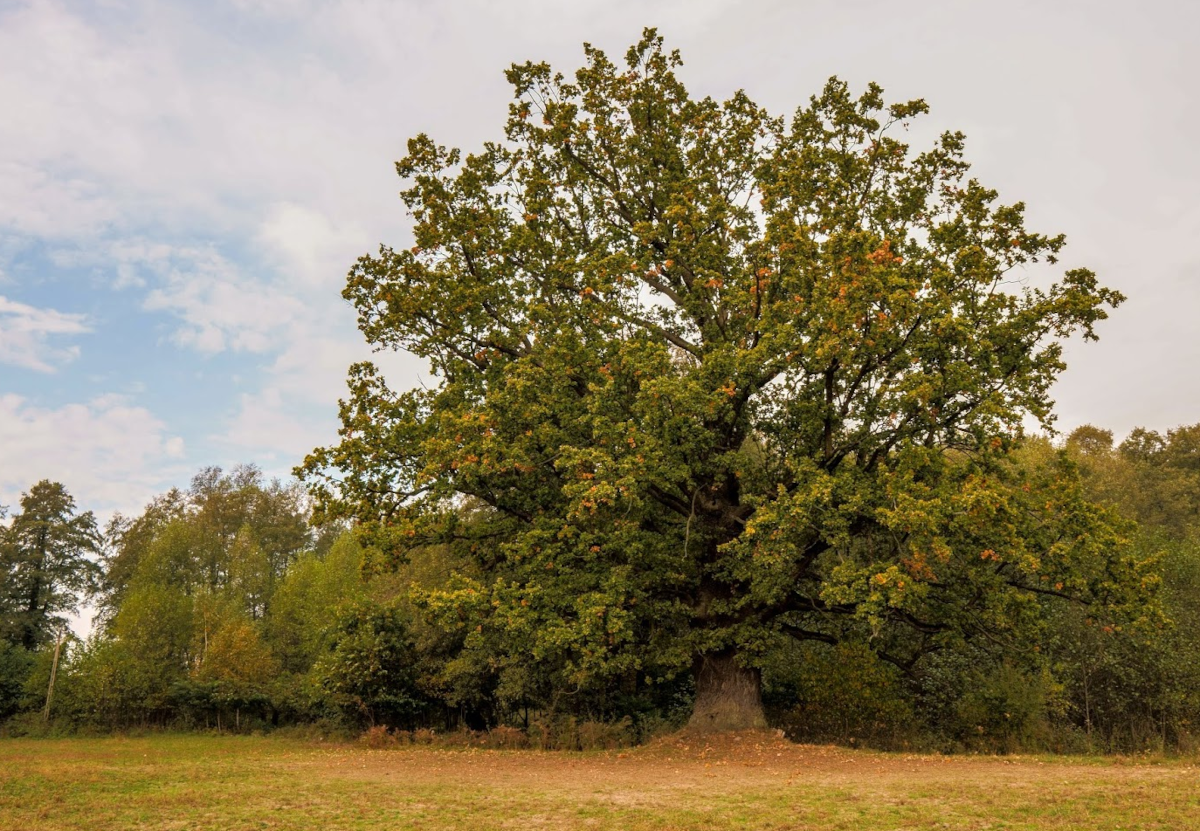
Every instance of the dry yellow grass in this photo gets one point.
(746, 782)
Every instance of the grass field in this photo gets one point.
(747, 782)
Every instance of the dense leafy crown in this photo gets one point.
(47, 564)
(706, 375)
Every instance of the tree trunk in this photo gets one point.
(29, 638)
(53, 674)
(728, 695)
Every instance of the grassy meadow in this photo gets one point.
(746, 782)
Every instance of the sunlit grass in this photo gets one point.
(201, 782)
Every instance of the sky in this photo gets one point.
(183, 187)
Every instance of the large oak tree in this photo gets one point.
(706, 377)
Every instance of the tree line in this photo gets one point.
(728, 422)
(222, 607)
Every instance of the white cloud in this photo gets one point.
(219, 306)
(39, 203)
(80, 103)
(25, 330)
(270, 427)
(294, 409)
(111, 455)
(308, 246)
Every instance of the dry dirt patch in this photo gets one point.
(738, 759)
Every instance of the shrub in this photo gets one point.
(504, 737)
(566, 732)
(845, 693)
(379, 738)
(16, 666)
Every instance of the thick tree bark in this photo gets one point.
(728, 695)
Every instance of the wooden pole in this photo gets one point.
(53, 674)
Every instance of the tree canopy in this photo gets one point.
(47, 564)
(707, 377)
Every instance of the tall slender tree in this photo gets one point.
(48, 561)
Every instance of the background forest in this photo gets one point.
(221, 607)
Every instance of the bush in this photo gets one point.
(507, 738)
(16, 666)
(423, 735)
(844, 693)
(605, 735)
(1006, 710)
(971, 700)
(369, 673)
(380, 738)
(564, 732)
